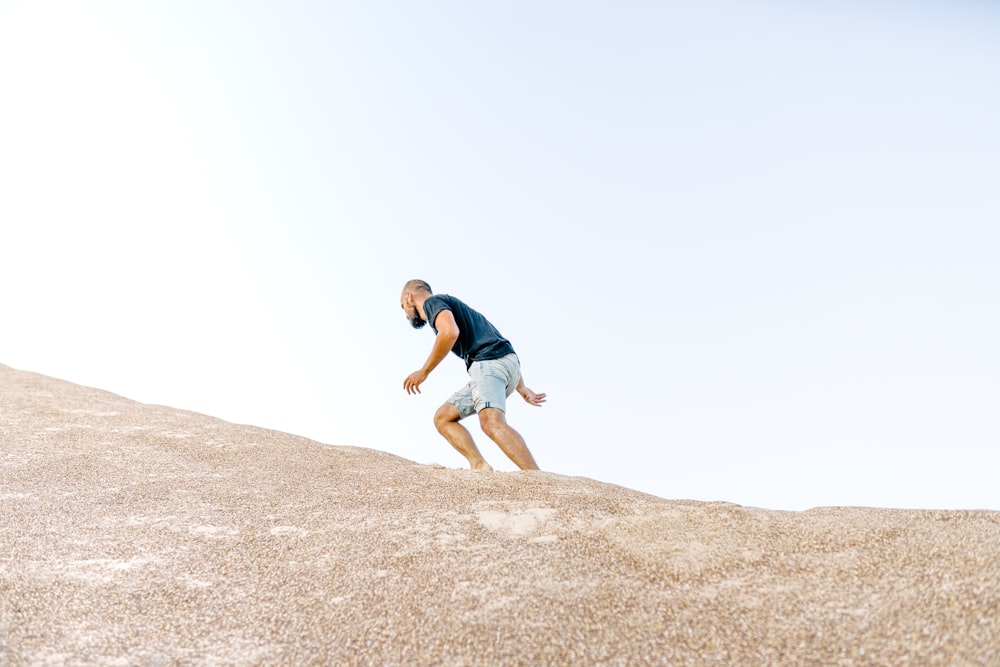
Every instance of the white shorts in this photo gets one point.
(490, 383)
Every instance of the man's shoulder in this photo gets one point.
(435, 304)
(443, 301)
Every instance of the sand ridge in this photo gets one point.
(146, 535)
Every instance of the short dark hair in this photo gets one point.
(417, 285)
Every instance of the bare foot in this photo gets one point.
(483, 467)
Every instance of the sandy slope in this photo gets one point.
(135, 534)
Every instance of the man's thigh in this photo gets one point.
(493, 381)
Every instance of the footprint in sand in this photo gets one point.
(292, 531)
(213, 532)
(520, 524)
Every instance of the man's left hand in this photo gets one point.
(531, 397)
(412, 383)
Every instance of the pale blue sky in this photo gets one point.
(749, 249)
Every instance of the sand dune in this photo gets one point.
(144, 535)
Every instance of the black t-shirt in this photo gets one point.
(478, 340)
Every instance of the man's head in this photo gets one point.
(415, 292)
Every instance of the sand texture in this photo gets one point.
(133, 534)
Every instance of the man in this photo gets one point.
(494, 374)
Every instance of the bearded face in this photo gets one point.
(413, 315)
(411, 311)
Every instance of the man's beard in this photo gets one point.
(416, 321)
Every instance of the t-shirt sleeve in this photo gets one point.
(433, 307)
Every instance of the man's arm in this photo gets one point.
(528, 395)
(447, 329)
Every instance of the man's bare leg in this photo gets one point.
(446, 420)
(494, 423)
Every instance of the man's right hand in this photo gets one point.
(413, 381)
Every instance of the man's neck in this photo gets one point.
(418, 300)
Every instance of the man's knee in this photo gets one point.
(492, 421)
(446, 414)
